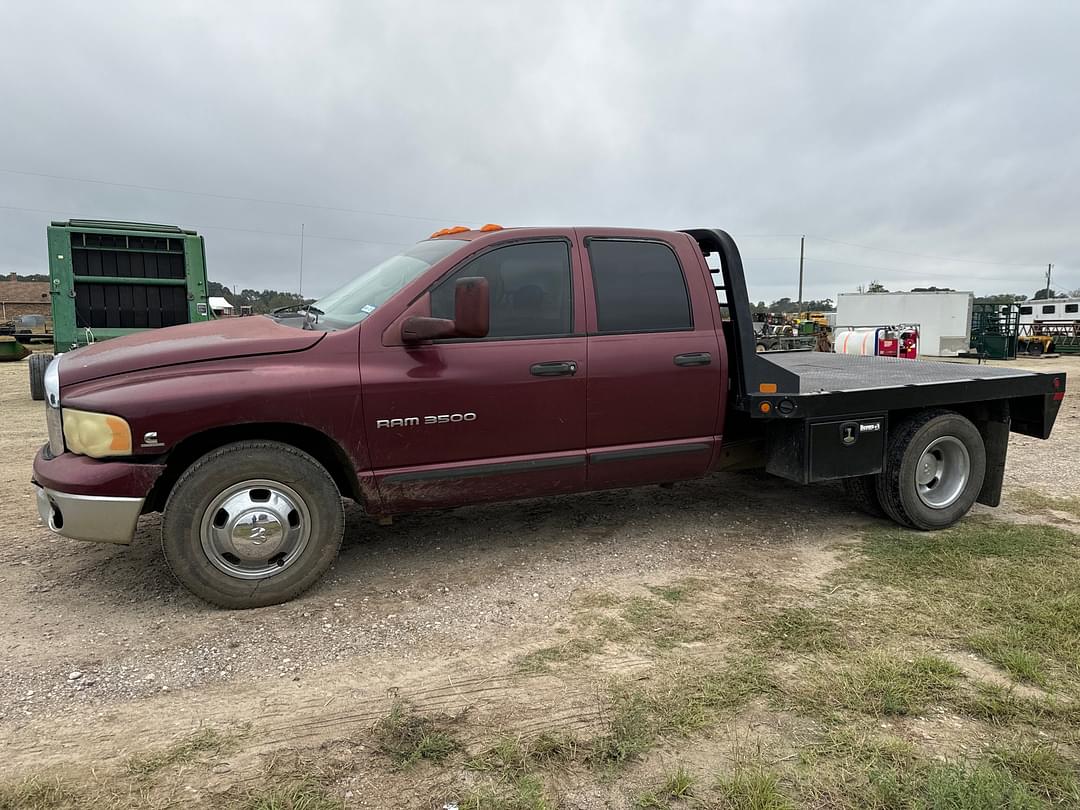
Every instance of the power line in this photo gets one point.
(291, 235)
(921, 255)
(235, 197)
(916, 273)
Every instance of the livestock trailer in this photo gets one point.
(108, 279)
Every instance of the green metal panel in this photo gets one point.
(195, 270)
(994, 330)
(64, 282)
(62, 290)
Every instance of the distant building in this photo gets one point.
(221, 307)
(24, 298)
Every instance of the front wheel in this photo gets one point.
(251, 524)
(934, 468)
(38, 362)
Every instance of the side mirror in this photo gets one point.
(472, 307)
(471, 315)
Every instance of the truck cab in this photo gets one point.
(492, 364)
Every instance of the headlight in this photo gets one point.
(96, 434)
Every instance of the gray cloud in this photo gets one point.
(945, 129)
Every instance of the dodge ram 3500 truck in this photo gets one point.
(486, 365)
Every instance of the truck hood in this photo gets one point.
(190, 343)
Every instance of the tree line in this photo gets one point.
(260, 301)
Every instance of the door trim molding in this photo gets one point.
(606, 456)
(480, 470)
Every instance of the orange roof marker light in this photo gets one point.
(448, 231)
(491, 226)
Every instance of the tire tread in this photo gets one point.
(271, 592)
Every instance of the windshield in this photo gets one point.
(361, 296)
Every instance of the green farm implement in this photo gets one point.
(109, 279)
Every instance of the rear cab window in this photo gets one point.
(638, 287)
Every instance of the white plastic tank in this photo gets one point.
(862, 340)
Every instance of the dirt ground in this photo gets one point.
(105, 655)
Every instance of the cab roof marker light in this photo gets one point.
(491, 226)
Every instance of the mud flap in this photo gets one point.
(995, 433)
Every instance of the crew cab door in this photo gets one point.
(657, 370)
(458, 421)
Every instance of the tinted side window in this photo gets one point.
(1025, 310)
(639, 287)
(1049, 309)
(530, 289)
(1072, 307)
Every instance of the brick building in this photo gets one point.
(23, 298)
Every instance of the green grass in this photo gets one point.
(752, 787)
(187, 750)
(662, 624)
(681, 591)
(301, 794)
(42, 793)
(520, 793)
(1043, 768)
(802, 630)
(676, 786)
(1027, 501)
(596, 599)
(630, 729)
(695, 696)
(1005, 648)
(407, 738)
(1007, 592)
(572, 651)
(515, 756)
(856, 769)
(880, 684)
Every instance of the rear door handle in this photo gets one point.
(557, 368)
(693, 359)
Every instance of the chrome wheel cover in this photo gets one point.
(942, 472)
(255, 529)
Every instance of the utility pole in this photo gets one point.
(301, 262)
(802, 253)
(1049, 270)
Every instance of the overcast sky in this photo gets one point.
(949, 129)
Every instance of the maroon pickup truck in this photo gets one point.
(492, 364)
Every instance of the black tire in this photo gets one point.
(862, 491)
(250, 463)
(1035, 348)
(897, 488)
(37, 364)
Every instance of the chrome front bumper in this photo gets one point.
(89, 517)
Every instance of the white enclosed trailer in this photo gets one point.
(1054, 309)
(943, 318)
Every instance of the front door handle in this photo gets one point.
(693, 359)
(557, 368)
